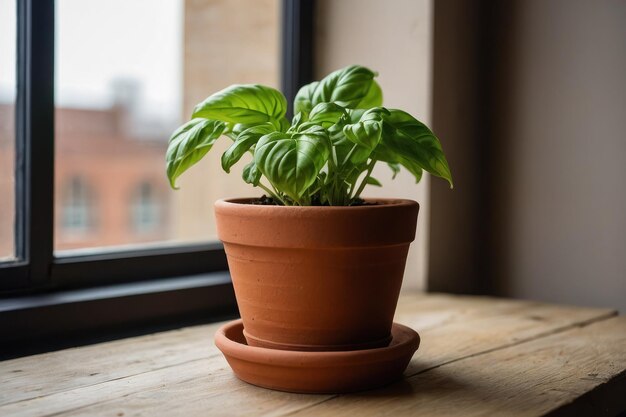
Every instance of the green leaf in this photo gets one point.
(413, 145)
(395, 169)
(393, 159)
(302, 127)
(342, 145)
(326, 114)
(244, 103)
(367, 131)
(300, 123)
(188, 144)
(297, 120)
(355, 172)
(303, 102)
(373, 98)
(234, 130)
(354, 115)
(291, 162)
(344, 148)
(251, 174)
(244, 142)
(373, 181)
(352, 87)
(283, 124)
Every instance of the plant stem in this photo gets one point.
(334, 153)
(370, 167)
(272, 194)
(352, 185)
(349, 155)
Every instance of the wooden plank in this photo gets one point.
(205, 383)
(49, 373)
(528, 379)
(192, 380)
(501, 324)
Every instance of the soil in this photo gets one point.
(269, 201)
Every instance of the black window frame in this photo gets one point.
(36, 274)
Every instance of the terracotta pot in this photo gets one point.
(317, 278)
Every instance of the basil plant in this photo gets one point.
(325, 155)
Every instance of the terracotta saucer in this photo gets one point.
(317, 372)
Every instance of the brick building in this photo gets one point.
(110, 186)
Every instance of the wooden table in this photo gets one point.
(479, 357)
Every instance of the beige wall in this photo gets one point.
(561, 107)
(393, 38)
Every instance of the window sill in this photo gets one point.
(50, 321)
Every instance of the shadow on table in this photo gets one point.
(434, 381)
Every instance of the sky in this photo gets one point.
(100, 42)
(7, 50)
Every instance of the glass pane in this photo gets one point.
(7, 128)
(128, 73)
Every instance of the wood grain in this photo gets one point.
(45, 374)
(528, 379)
(182, 373)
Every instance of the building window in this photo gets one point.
(145, 209)
(77, 209)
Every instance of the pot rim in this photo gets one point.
(385, 203)
(387, 224)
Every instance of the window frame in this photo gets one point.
(36, 269)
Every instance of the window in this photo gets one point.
(101, 85)
(119, 96)
(145, 209)
(78, 208)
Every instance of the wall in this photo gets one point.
(559, 115)
(393, 38)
